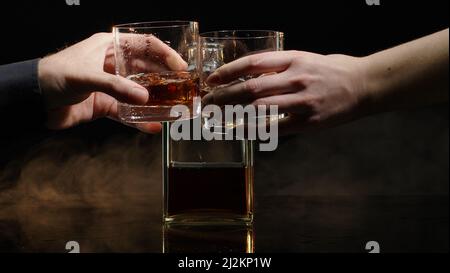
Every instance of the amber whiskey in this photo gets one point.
(166, 90)
(210, 190)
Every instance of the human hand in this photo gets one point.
(315, 90)
(79, 85)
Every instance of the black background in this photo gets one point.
(35, 28)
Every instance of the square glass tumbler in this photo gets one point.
(207, 182)
(163, 58)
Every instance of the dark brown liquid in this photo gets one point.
(169, 88)
(208, 189)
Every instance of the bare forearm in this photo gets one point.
(412, 74)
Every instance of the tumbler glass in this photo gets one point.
(210, 182)
(163, 57)
(221, 47)
(207, 182)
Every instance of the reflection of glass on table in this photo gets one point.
(207, 182)
(208, 239)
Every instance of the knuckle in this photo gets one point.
(99, 35)
(114, 82)
(298, 60)
(252, 86)
(303, 81)
(309, 103)
(298, 82)
(253, 61)
(319, 101)
(315, 119)
(294, 53)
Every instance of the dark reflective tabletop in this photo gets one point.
(283, 224)
(379, 179)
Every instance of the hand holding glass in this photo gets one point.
(162, 57)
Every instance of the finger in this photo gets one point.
(148, 49)
(287, 103)
(250, 65)
(253, 89)
(141, 62)
(208, 98)
(109, 63)
(118, 87)
(171, 58)
(297, 109)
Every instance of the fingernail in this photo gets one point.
(213, 78)
(175, 62)
(141, 92)
(207, 99)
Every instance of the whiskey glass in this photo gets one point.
(163, 57)
(221, 47)
(207, 182)
(210, 182)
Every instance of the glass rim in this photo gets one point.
(261, 34)
(155, 24)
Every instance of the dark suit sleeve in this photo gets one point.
(21, 103)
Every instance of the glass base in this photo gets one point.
(159, 113)
(208, 219)
(208, 239)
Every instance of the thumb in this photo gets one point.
(120, 88)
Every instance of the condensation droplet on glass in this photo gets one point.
(126, 50)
